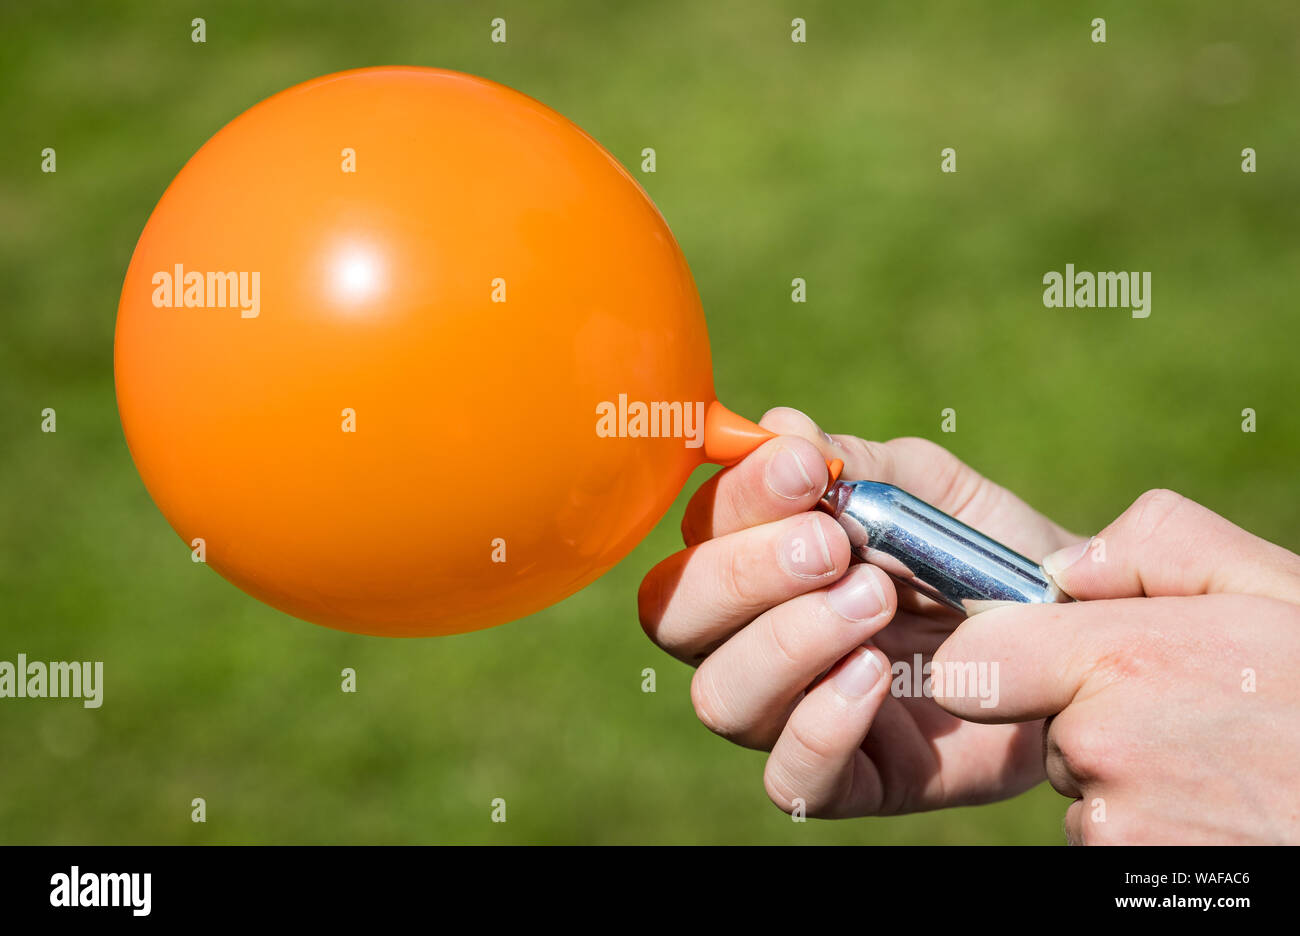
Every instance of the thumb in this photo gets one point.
(1167, 545)
(786, 420)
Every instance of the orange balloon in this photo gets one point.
(411, 354)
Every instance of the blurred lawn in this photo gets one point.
(775, 160)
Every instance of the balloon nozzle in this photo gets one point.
(729, 437)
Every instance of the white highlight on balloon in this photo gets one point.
(358, 274)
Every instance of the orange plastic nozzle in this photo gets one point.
(729, 437)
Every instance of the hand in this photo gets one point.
(794, 646)
(1173, 696)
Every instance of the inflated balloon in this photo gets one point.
(402, 351)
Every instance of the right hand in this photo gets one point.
(794, 640)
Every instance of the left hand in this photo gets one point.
(799, 660)
(1172, 696)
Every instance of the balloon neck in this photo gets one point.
(729, 437)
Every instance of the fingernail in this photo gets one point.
(786, 477)
(805, 552)
(857, 596)
(1062, 559)
(857, 676)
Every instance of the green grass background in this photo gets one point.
(775, 160)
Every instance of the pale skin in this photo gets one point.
(1166, 705)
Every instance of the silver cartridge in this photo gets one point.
(932, 552)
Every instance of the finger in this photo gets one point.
(1166, 544)
(932, 473)
(697, 598)
(1066, 769)
(1089, 820)
(1075, 821)
(1021, 662)
(818, 760)
(920, 466)
(911, 635)
(746, 688)
(908, 761)
(781, 478)
(868, 461)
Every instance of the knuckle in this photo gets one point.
(1085, 749)
(810, 746)
(776, 782)
(786, 643)
(1125, 662)
(961, 487)
(922, 448)
(950, 472)
(871, 460)
(708, 707)
(737, 505)
(782, 789)
(1151, 511)
(976, 497)
(740, 577)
